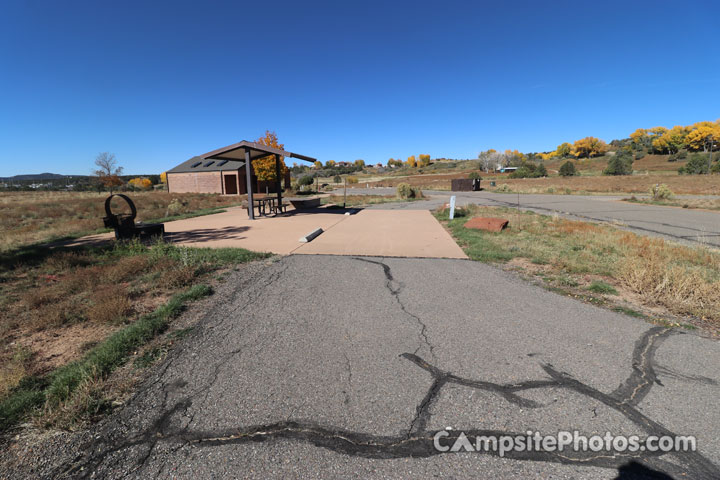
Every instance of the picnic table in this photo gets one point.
(265, 204)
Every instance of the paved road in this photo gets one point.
(682, 225)
(346, 367)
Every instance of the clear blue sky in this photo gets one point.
(158, 83)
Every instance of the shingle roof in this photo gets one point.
(199, 164)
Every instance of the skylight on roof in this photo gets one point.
(195, 164)
(207, 164)
(221, 163)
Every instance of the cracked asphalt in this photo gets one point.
(689, 226)
(337, 366)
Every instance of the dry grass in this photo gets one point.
(649, 170)
(30, 217)
(360, 200)
(678, 279)
(701, 203)
(679, 184)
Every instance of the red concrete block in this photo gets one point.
(487, 223)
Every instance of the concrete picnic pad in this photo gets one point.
(387, 233)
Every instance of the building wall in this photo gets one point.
(200, 182)
(212, 182)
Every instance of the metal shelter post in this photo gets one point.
(278, 186)
(248, 180)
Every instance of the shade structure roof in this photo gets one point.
(236, 152)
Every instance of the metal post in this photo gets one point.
(248, 181)
(710, 140)
(278, 186)
(345, 193)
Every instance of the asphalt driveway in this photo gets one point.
(350, 373)
(693, 227)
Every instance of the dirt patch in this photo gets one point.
(53, 348)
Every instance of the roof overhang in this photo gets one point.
(237, 151)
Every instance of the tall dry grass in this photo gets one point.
(31, 217)
(685, 280)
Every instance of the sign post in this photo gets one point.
(452, 207)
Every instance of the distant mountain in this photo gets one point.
(34, 176)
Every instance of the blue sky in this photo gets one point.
(156, 83)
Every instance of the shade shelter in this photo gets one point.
(247, 152)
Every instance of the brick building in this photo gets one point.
(199, 175)
(224, 171)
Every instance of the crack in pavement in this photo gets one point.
(395, 292)
(419, 442)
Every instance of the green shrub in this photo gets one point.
(305, 180)
(696, 165)
(568, 169)
(474, 176)
(530, 170)
(661, 192)
(337, 179)
(620, 164)
(404, 190)
(352, 179)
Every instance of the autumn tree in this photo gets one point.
(330, 164)
(589, 147)
(265, 167)
(703, 136)
(107, 170)
(317, 164)
(360, 163)
(671, 141)
(424, 159)
(411, 161)
(163, 177)
(563, 150)
(141, 183)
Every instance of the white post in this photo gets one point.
(452, 207)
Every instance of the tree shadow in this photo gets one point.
(200, 235)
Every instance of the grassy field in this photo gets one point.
(649, 170)
(631, 273)
(69, 317)
(630, 184)
(32, 217)
(363, 200)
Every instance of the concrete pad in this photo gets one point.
(386, 233)
(234, 229)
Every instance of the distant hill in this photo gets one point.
(34, 176)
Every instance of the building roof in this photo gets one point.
(200, 164)
(232, 157)
(236, 151)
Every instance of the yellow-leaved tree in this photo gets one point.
(163, 177)
(424, 159)
(411, 162)
(671, 141)
(563, 150)
(265, 167)
(141, 183)
(703, 135)
(589, 147)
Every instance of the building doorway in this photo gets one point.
(230, 184)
